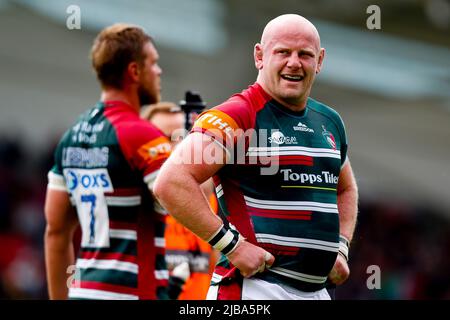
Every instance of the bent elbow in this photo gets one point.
(160, 186)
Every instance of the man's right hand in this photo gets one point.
(250, 259)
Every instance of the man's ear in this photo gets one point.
(258, 55)
(320, 62)
(133, 71)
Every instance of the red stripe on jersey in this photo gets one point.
(154, 166)
(302, 160)
(107, 256)
(225, 272)
(162, 283)
(280, 214)
(146, 256)
(124, 192)
(237, 208)
(230, 291)
(106, 287)
(122, 225)
(160, 217)
(276, 249)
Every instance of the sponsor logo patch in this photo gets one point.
(88, 179)
(303, 128)
(279, 138)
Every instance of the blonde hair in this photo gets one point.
(114, 49)
(161, 107)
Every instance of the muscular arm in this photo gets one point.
(178, 186)
(59, 254)
(178, 190)
(348, 208)
(347, 201)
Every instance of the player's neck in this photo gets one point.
(296, 106)
(112, 94)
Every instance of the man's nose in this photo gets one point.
(294, 61)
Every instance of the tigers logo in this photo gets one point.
(329, 138)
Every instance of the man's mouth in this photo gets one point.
(291, 77)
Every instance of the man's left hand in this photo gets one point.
(340, 272)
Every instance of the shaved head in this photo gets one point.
(287, 22)
(288, 58)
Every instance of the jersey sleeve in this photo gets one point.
(55, 176)
(145, 149)
(225, 123)
(343, 139)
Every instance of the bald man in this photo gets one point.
(286, 190)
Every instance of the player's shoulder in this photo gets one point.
(137, 130)
(242, 107)
(68, 135)
(325, 110)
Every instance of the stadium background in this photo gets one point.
(392, 87)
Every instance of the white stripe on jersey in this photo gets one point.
(56, 182)
(298, 276)
(161, 274)
(291, 205)
(219, 188)
(123, 201)
(83, 293)
(297, 242)
(150, 179)
(160, 242)
(123, 234)
(293, 150)
(219, 191)
(216, 278)
(107, 265)
(159, 208)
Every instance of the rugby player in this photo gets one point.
(283, 235)
(105, 167)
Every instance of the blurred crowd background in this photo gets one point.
(391, 86)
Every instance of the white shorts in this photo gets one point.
(257, 289)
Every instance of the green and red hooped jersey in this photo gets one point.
(106, 162)
(293, 211)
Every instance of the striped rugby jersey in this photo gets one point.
(292, 212)
(107, 161)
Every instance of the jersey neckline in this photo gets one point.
(279, 106)
(118, 103)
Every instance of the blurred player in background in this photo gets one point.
(284, 232)
(192, 258)
(105, 166)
